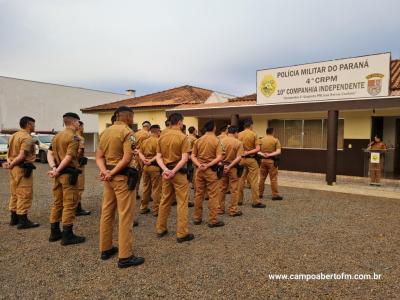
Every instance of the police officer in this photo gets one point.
(21, 155)
(113, 156)
(375, 168)
(207, 153)
(140, 136)
(172, 154)
(224, 132)
(192, 136)
(63, 161)
(81, 179)
(151, 176)
(232, 157)
(251, 148)
(270, 148)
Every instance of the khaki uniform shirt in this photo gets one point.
(192, 138)
(115, 141)
(222, 136)
(207, 148)
(149, 147)
(66, 143)
(249, 139)
(269, 144)
(140, 136)
(377, 146)
(233, 148)
(22, 140)
(81, 144)
(172, 144)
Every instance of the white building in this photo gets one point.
(46, 103)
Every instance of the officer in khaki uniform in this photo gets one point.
(81, 179)
(172, 155)
(232, 157)
(375, 169)
(113, 156)
(151, 176)
(63, 160)
(140, 136)
(224, 132)
(21, 155)
(251, 148)
(207, 153)
(192, 136)
(270, 147)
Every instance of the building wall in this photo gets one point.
(46, 103)
(153, 116)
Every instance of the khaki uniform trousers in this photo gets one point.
(21, 191)
(268, 168)
(140, 174)
(375, 172)
(81, 184)
(229, 181)
(251, 173)
(178, 186)
(117, 197)
(207, 181)
(151, 179)
(65, 201)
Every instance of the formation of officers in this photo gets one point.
(166, 162)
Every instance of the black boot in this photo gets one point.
(25, 223)
(55, 232)
(14, 218)
(130, 261)
(69, 238)
(81, 212)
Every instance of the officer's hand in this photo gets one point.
(226, 169)
(107, 176)
(147, 162)
(203, 167)
(6, 165)
(266, 155)
(167, 174)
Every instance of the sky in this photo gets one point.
(154, 45)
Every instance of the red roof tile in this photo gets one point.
(172, 97)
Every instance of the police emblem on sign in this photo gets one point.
(268, 85)
(374, 85)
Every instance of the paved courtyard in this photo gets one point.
(310, 232)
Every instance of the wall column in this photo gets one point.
(331, 159)
(235, 120)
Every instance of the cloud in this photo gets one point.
(151, 45)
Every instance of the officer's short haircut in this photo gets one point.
(247, 123)
(191, 129)
(146, 123)
(123, 109)
(167, 123)
(175, 118)
(154, 128)
(23, 122)
(209, 126)
(223, 128)
(233, 129)
(71, 115)
(270, 130)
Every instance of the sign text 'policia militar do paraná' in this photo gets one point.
(350, 78)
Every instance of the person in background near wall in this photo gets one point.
(21, 155)
(140, 136)
(375, 169)
(82, 163)
(270, 150)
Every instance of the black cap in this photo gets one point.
(122, 109)
(155, 127)
(146, 122)
(71, 115)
